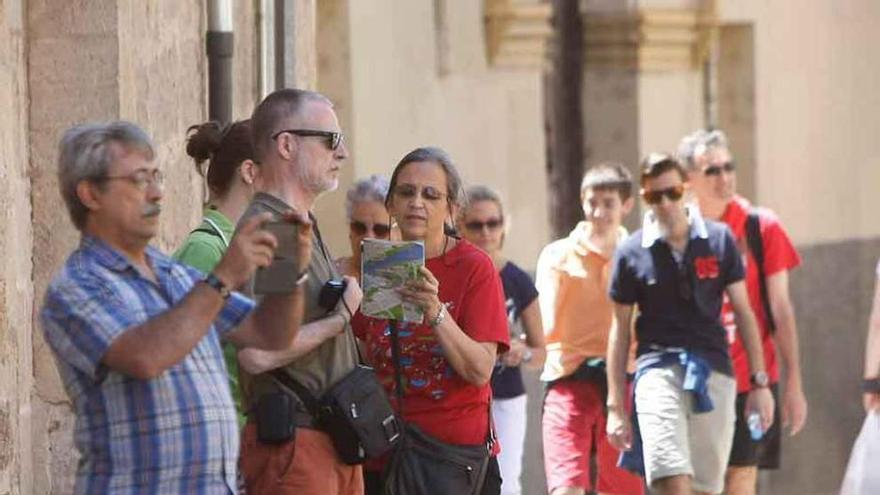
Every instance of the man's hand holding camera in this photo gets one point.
(253, 247)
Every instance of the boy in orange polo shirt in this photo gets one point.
(572, 279)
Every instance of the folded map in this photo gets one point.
(385, 267)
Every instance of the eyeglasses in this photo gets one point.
(492, 224)
(380, 230)
(674, 193)
(685, 287)
(428, 193)
(334, 139)
(141, 178)
(715, 170)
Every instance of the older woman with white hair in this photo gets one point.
(484, 225)
(367, 219)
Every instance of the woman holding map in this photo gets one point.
(367, 219)
(446, 360)
(484, 225)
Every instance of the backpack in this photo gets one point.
(756, 246)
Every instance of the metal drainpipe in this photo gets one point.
(219, 45)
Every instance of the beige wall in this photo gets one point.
(490, 120)
(816, 105)
(16, 293)
(670, 106)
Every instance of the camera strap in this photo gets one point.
(321, 244)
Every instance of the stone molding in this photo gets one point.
(517, 33)
(648, 39)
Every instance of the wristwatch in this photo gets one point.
(215, 283)
(441, 315)
(760, 379)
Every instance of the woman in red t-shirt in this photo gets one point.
(447, 359)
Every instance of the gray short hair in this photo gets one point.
(478, 193)
(455, 196)
(698, 143)
(85, 154)
(276, 108)
(454, 184)
(372, 188)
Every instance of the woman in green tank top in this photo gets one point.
(223, 155)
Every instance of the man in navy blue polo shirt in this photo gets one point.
(677, 269)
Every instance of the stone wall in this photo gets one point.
(16, 292)
(89, 60)
(832, 293)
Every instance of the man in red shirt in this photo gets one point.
(713, 181)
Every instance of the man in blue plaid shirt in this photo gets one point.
(136, 335)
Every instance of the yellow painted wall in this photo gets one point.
(401, 97)
(816, 111)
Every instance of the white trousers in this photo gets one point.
(510, 425)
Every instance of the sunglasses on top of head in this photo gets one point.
(673, 193)
(715, 170)
(380, 230)
(333, 139)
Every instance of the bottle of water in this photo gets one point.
(755, 428)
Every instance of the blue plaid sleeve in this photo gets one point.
(236, 309)
(81, 322)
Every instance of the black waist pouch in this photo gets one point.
(354, 412)
(424, 465)
(357, 415)
(274, 418)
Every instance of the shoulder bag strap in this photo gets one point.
(398, 373)
(301, 391)
(756, 246)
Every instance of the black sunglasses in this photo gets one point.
(334, 139)
(380, 230)
(492, 224)
(715, 170)
(674, 193)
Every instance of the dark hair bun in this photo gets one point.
(204, 140)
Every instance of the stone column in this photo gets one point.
(642, 81)
(98, 60)
(16, 291)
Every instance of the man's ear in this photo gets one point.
(285, 145)
(87, 194)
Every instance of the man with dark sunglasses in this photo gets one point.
(707, 158)
(677, 268)
(299, 148)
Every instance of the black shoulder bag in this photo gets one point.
(756, 246)
(355, 413)
(424, 465)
